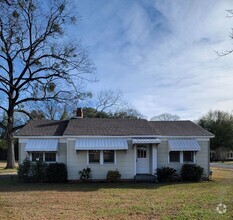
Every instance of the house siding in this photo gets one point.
(62, 158)
(22, 153)
(202, 156)
(125, 159)
(77, 160)
(62, 153)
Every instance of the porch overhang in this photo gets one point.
(44, 145)
(146, 141)
(101, 144)
(183, 145)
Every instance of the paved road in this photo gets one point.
(222, 165)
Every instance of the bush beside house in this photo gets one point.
(41, 172)
(166, 174)
(188, 172)
(113, 176)
(85, 174)
(191, 172)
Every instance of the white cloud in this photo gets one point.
(161, 54)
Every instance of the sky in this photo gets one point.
(161, 54)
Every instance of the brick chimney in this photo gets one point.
(79, 113)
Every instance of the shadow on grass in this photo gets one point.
(11, 184)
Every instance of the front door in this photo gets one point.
(142, 161)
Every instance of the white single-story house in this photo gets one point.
(214, 155)
(133, 146)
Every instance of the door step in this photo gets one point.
(145, 178)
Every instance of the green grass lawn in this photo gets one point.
(117, 201)
(3, 170)
(225, 162)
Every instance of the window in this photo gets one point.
(50, 157)
(174, 156)
(231, 154)
(94, 156)
(37, 156)
(141, 151)
(108, 156)
(188, 156)
(43, 156)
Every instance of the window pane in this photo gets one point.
(108, 156)
(94, 156)
(174, 156)
(50, 157)
(144, 152)
(37, 156)
(141, 151)
(188, 156)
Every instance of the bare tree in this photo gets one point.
(108, 99)
(227, 51)
(37, 62)
(165, 117)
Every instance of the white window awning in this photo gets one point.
(146, 141)
(41, 145)
(183, 145)
(101, 144)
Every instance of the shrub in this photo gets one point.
(38, 171)
(191, 172)
(41, 172)
(85, 174)
(24, 171)
(56, 173)
(165, 174)
(113, 176)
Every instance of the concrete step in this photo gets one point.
(145, 178)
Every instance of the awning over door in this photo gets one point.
(41, 145)
(146, 141)
(101, 144)
(183, 145)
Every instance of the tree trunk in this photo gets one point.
(10, 153)
(10, 138)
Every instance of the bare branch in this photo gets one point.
(24, 112)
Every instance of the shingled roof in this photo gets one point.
(43, 128)
(111, 127)
(179, 128)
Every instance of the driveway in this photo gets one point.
(222, 165)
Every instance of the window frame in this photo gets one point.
(192, 155)
(169, 157)
(36, 152)
(50, 161)
(181, 161)
(113, 162)
(89, 162)
(43, 153)
(142, 152)
(101, 158)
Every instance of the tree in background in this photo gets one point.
(127, 113)
(37, 60)
(219, 123)
(227, 51)
(165, 117)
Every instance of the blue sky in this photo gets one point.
(161, 54)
